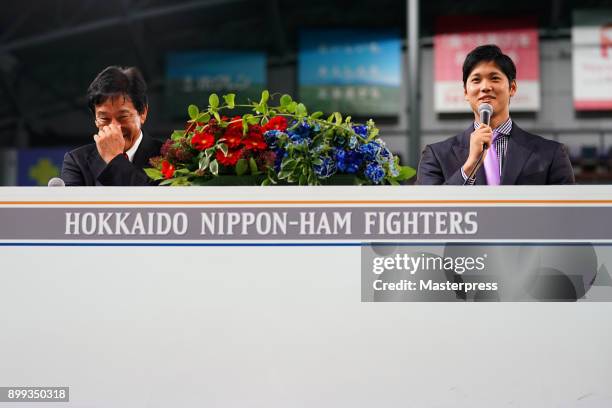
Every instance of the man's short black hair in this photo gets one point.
(488, 53)
(118, 81)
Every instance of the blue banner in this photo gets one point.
(193, 76)
(353, 71)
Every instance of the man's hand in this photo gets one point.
(482, 136)
(109, 142)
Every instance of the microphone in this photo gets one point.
(56, 182)
(485, 111)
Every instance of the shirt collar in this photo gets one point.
(132, 151)
(504, 129)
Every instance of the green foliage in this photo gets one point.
(241, 167)
(177, 135)
(193, 112)
(213, 101)
(154, 174)
(229, 100)
(304, 163)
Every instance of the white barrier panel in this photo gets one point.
(182, 321)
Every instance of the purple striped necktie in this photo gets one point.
(491, 164)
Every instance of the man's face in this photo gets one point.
(121, 111)
(488, 84)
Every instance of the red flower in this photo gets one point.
(255, 131)
(232, 157)
(233, 136)
(203, 140)
(235, 123)
(255, 143)
(276, 123)
(167, 169)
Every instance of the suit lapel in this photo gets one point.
(519, 150)
(144, 152)
(96, 164)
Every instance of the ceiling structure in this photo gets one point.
(51, 50)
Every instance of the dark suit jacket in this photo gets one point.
(84, 166)
(530, 159)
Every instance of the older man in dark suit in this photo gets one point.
(512, 156)
(118, 100)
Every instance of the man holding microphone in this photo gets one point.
(493, 150)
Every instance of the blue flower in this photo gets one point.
(352, 144)
(374, 172)
(272, 136)
(325, 169)
(303, 129)
(298, 139)
(361, 130)
(348, 161)
(393, 169)
(370, 150)
(280, 155)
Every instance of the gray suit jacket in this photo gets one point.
(530, 159)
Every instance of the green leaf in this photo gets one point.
(214, 167)
(217, 117)
(203, 117)
(373, 132)
(338, 117)
(283, 174)
(316, 115)
(177, 134)
(166, 182)
(347, 120)
(180, 181)
(204, 162)
(312, 180)
(292, 107)
(229, 100)
(181, 172)
(241, 167)
(253, 166)
(288, 164)
(213, 100)
(265, 95)
(193, 112)
(330, 117)
(405, 173)
(301, 109)
(303, 180)
(285, 100)
(266, 182)
(317, 162)
(223, 148)
(154, 174)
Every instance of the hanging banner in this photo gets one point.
(456, 36)
(356, 71)
(193, 76)
(592, 59)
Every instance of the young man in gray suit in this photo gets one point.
(512, 155)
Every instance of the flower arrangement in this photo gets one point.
(276, 144)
